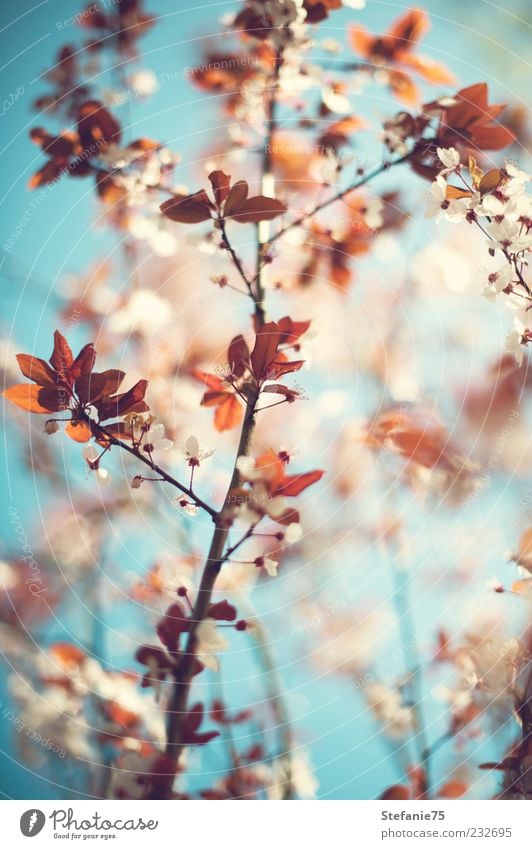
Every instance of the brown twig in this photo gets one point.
(385, 166)
(99, 430)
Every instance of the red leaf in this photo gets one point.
(283, 366)
(280, 389)
(190, 726)
(228, 414)
(84, 362)
(172, 625)
(92, 387)
(211, 380)
(78, 431)
(47, 174)
(213, 399)
(37, 370)
(220, 183)
(97, 128)
(145, 653)
(291, 330)
(35, 399)
(257, 209)
(452, 790)
(493, 138)
(294, 484)
(188, 209)
(236, 197)
(265, 349)
(223, 611)
(238, 354)
(131, 401)
(62, 357)
(396, 791)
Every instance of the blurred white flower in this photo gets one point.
(298, 772)
(387, 707)
(155, 440)
(438, 206)
(92, 458)
(209, 642)
(450, 158)
(513, 345)
(144, 312)
(194, 454)
(143, 82)
(293, 533)
(270, 566)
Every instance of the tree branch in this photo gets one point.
(385, 166)
(99, 430)
(215, 558)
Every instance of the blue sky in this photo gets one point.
(481, 41)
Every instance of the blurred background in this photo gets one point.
(336, 600)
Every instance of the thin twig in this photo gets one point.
(381, 169)
(100, 430)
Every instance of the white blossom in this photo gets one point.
(155, 440)
(438, 206)
(513, 345)
(449, 157)
(194, 453)
(209, 642)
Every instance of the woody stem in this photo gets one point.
(216, 556)
(267, 186)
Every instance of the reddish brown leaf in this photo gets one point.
(109, 191)
(228, 414)
(294, 484)
(84, 362)
(37, 370)
(396, 791)
(283, 366)
(236, 197)
(117, 429)
(188, 209)
(265, 349)
(131, 401)
(289, 517)
(92, 387)
(78, 431)
(35, 399)
(47, 174)
(453, 789)
(223, 611)
(238, 355)
(291, 330)
(97, 128)
(62, 357)
(256, 209)
(493, 138)
(190, 728)
(220, 183)
(211, 380)
(280, 389)
(212, 399)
